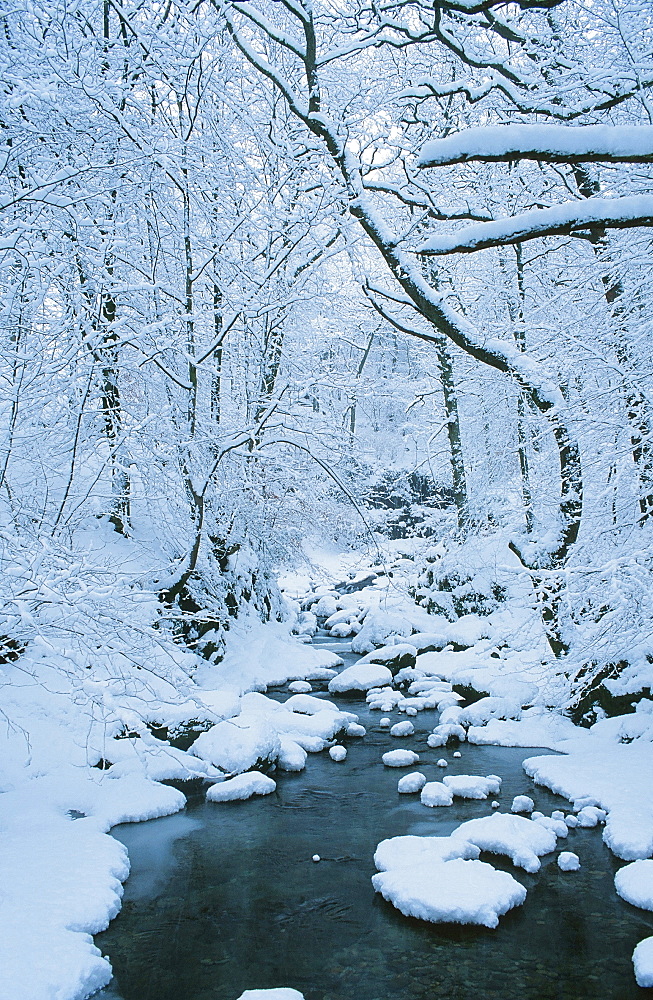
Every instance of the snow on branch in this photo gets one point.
(561, 220)
(548, 143)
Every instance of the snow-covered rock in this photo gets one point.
(643, 962)
(557, 826)
(522, 804)
(354, 729)
(338, 753)
(377, 627)
(411, 783)
(292, 756)
(396, 657)
(457, 891)
(436, 793)
(360, 677)
(243, 786)
(237, 745)
(485, 709)
(568, 861)
(472, 786)
(590, 816)
(400, 758)
(402, 729)
(411, 851)
(520, 839)
(450, 731)
(278, 993)
(307, 704)
(300, 687)
(634, 883)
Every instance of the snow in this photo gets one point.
(442, 762)
(634, 883)
(378, 626)
(400, 758)
(300, 687)
(338, 753)
(568, 861)
(360, 677)
(384, 723)
(239, 744)
(354, 729)
(617, 777)
(522, 804)
(471, 786)
(488, 708)
(643, 962)
(436, 793)
(243, 786)
(457, 891)
(590, 816)
(411, 783)
(278, 993)
(447, 731)
(635, 210)
(292, 756)
(260, 655)
(61, 878)
(402, 729)
(633, 143)
(386, 654)
(520, 839)
(411, 851)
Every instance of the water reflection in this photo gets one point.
(226, 897)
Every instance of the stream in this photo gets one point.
(225, 897)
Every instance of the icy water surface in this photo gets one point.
(225, 897)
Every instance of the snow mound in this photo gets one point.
(377, 627)
(485, 709)
(515, 689)
(353, 729)
(338, 753)
(590, 816)
(411, 783)
(279, 993)
(568, 861)
(292, 756)
(307, 704)
(458, 891)
(449, 731)
(643, 962)
(435, 793)
(520, 839)
(472, 786)
(522, 804)
(360, 677)
(236, 745)
(402, 729)
(634, 883)
(243, 786)
(410, 851)
(400, 758)
(300, 687)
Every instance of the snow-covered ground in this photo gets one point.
(78, 757)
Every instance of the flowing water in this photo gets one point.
(225, 897)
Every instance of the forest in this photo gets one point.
(295, 293)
